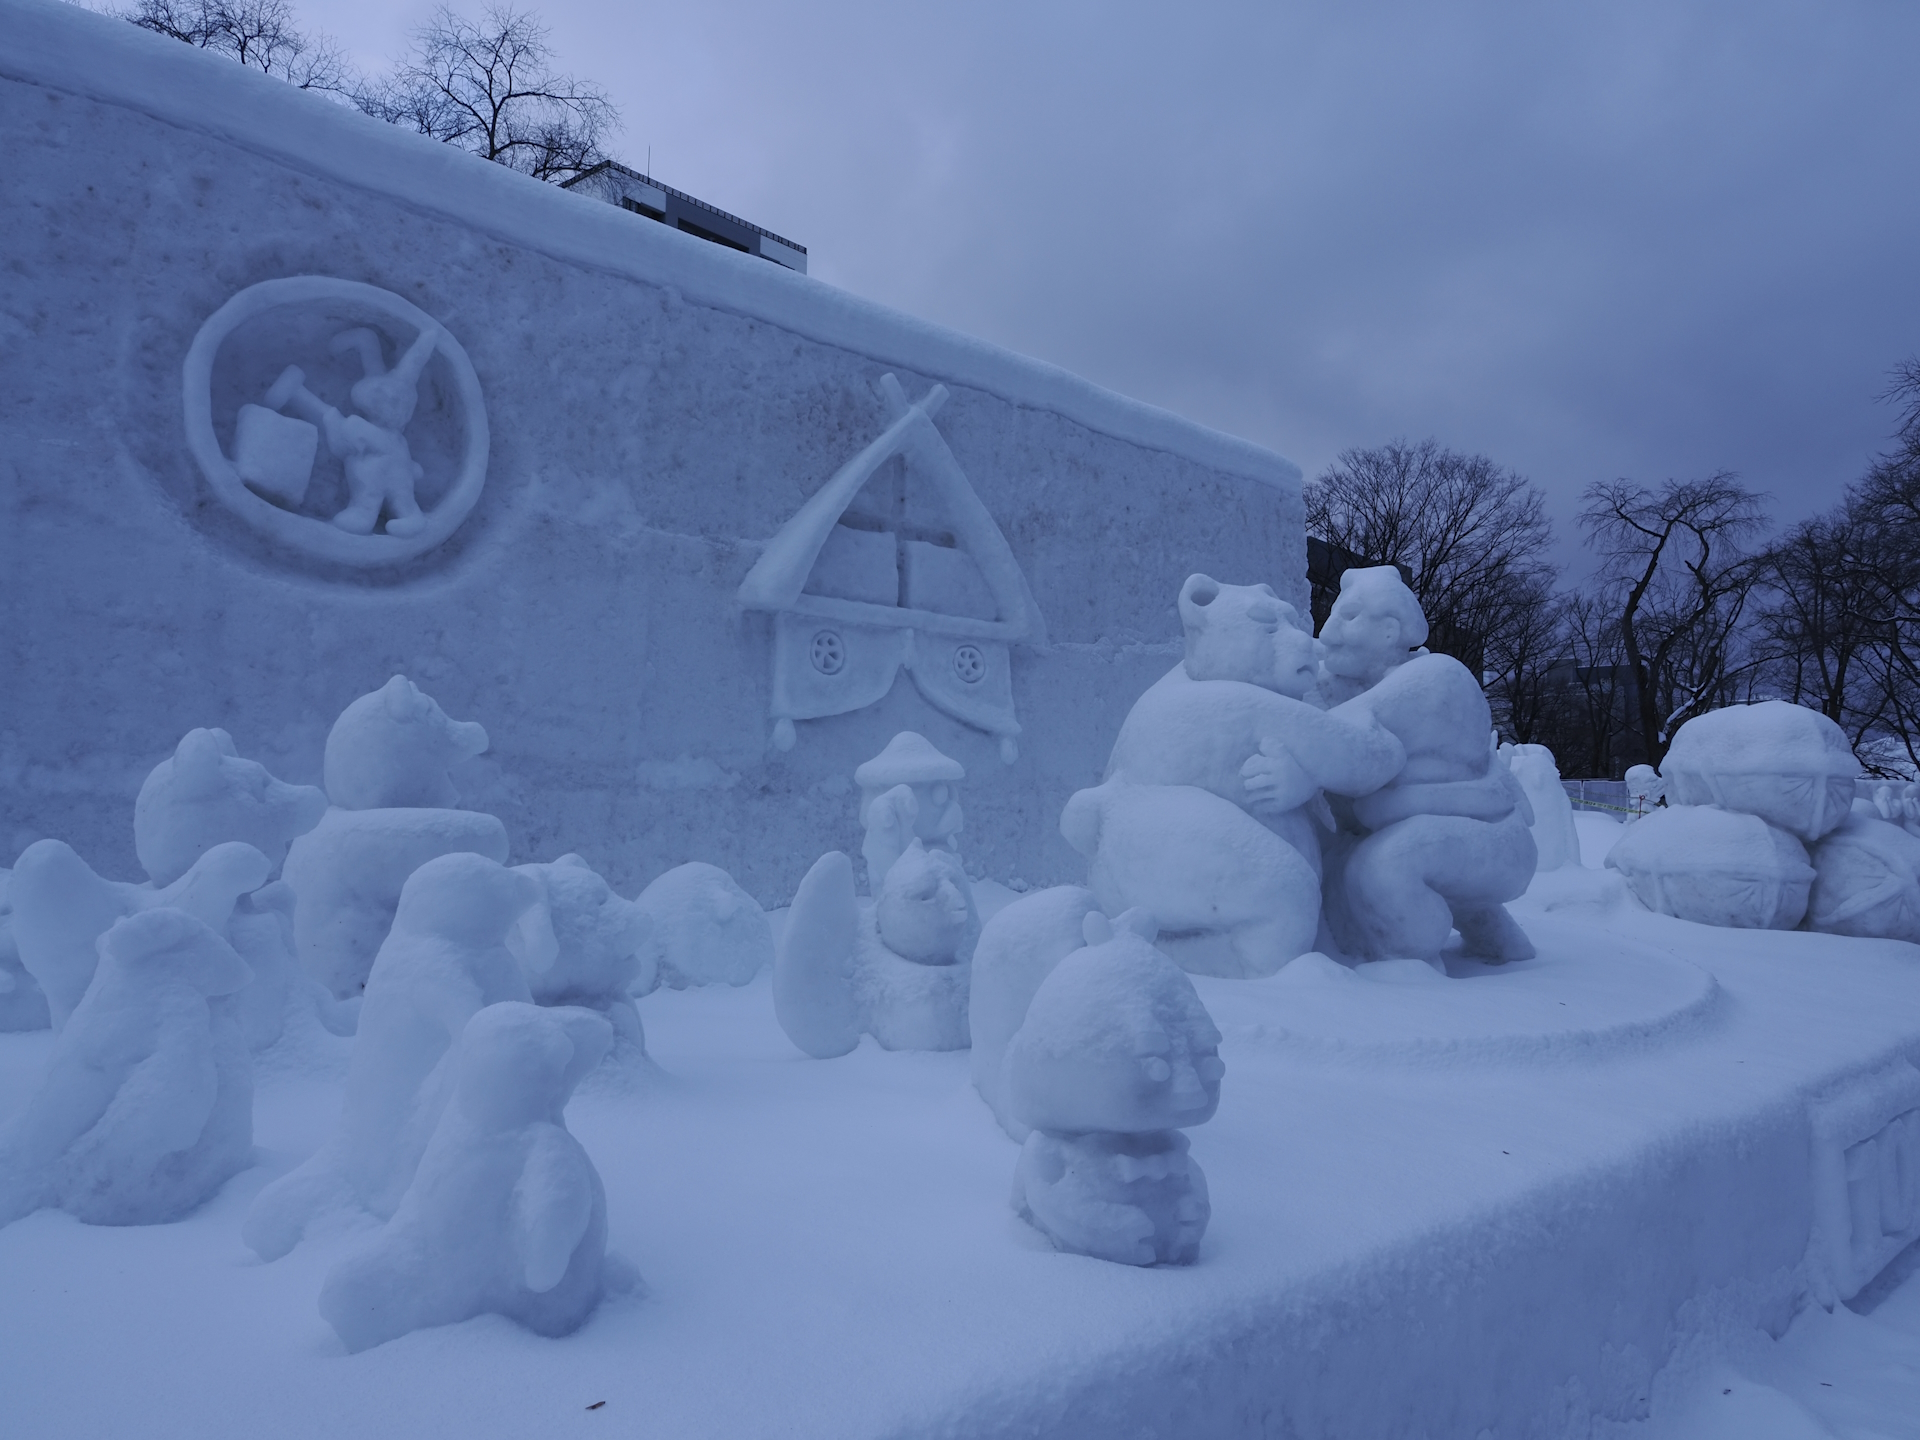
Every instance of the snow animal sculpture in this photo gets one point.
(1018, 948)
(1231, 872)
(1714, 867)
(205, 794)
(23, 1005)
(146, 1108)
(908, 791)
(464, 929)
(381, 471)
(1444, 843)
(506, 1214)
(61, 908)
(1115, 1058)
(703, 929)
(600, 937)
(897, 967)
(386, 765)
(1555, 839)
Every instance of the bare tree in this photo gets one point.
(1677, 585)
(488, 86)
(1471, 536)
(260, 34)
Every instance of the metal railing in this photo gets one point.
(684, 199)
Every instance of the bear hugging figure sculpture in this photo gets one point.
(1231, 871)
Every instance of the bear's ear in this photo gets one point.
(401, 699)
(1196, 595)
(196, 762)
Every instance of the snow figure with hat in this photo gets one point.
(1115, 1058)
(895, 966)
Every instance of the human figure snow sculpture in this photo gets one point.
(1115, 1058)
(23, 1005)
(908, 791)
(387, 759)
(380, 468)
(897, 966)
(1018, 949)
(1446, 841)
(61, 908)
(1555, 840)
(506, 1214)
(703, 929)
(600, 940)
(464, 929)
(147, 1106)
(1230, 869)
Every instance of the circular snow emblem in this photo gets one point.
(829, 652)
(969, 664)
(364, 512)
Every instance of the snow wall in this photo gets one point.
(653, 409)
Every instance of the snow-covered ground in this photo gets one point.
(1567, 1196)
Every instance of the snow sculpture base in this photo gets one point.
(1341, 1289)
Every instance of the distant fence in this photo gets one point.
(1607, 796)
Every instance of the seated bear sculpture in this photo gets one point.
(1231, 871)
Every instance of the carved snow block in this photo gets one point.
(1866, 1180)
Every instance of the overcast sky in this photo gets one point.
(1590, 241)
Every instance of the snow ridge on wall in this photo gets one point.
(65, 48)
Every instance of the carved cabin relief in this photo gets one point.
(854, 601)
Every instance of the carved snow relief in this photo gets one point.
(856, 600)
(1866, 1180)
(300, 368)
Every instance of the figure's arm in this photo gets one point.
(552, 1206)
(1346, 750)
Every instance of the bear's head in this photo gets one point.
(204, 795)
(600, 935)
(1246, 633)
(392, 749)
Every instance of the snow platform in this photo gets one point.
(1498, 1203)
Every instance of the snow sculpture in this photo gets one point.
(1555, 839)
(1789, 765)
(1866, 881)
(814, 997)
(205, 794)
(1209, 813)
(147, 1107)
(1645, 788)
(386, 772)
(1714, 867)
(703, 929)
(267, 481)
(1116, 1056)
(908, 790)
(855, 604)
(600, 937)
(464, 928)
(1018, 949)
(23, 1005)
(1446, 842)
(506, 1214)
(61, 908)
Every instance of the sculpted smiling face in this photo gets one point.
(1245, 633)
(1373, 627)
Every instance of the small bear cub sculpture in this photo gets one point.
(1116, 1056)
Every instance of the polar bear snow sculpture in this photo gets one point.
(146, 1109)
(464, 929)
(506, 1214)
(1115, 1057)
(387, 759)
(205, 794)
(1231, 872)
(1445, 841)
